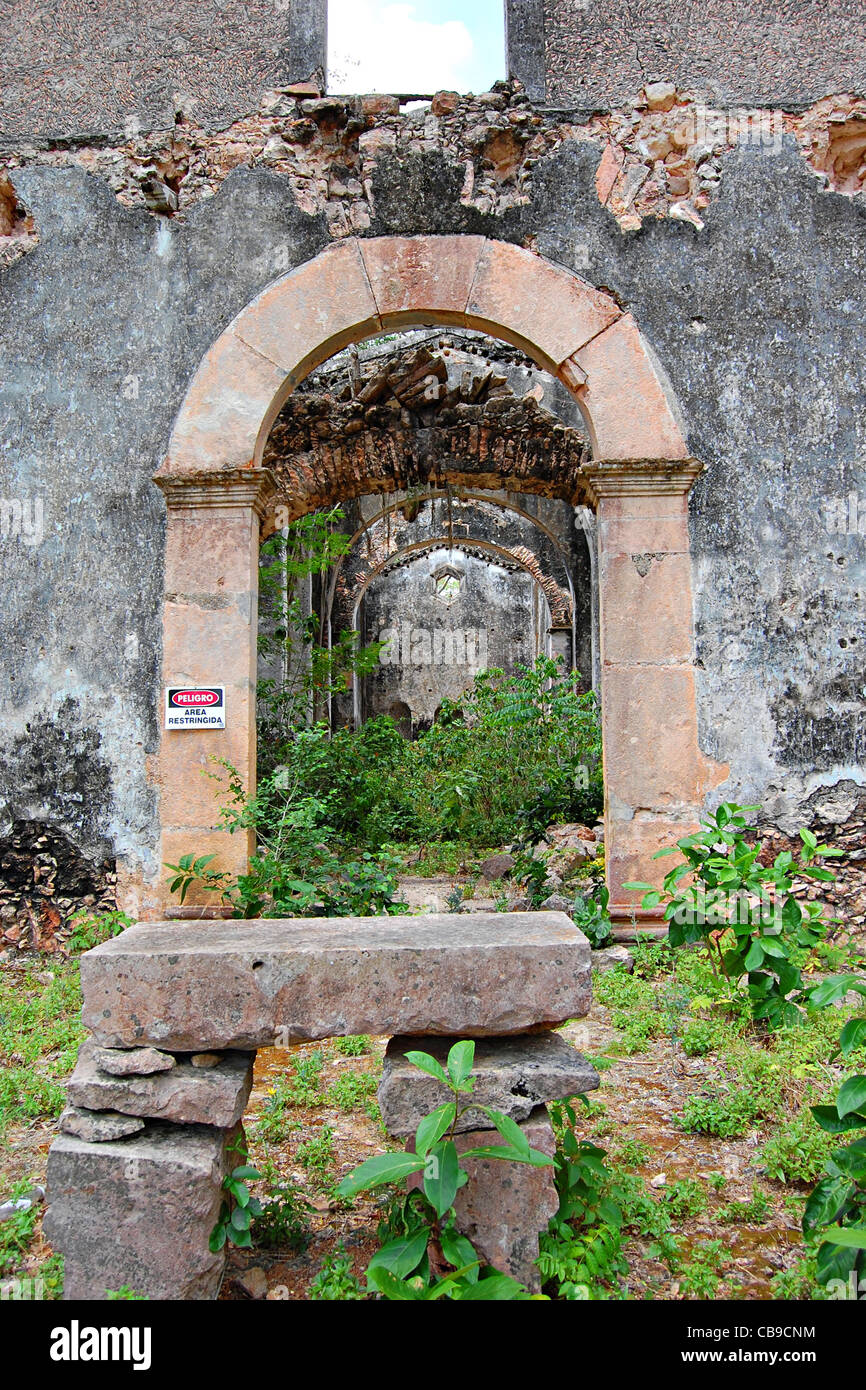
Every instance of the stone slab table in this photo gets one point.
(218, 985)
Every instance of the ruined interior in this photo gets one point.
(565, 371)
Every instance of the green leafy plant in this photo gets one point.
(591, 915)
(796, 1152)
(745, 911)
(353, 1090)
(318, 1157)
(284, 1218)
(239, 1206)
(725, 1113)
(430, 1259)
(580, 1254)
(335, 1281)
(191, 870)
(90, 929)
(755, 1211)
(699, 1277)
(17, 1230)
(353, 1045)
(836, 1209)
(125, 1293)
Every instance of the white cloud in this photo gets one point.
(381, 47)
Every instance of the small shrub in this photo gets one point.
(755, 1211)
(797, 1151)
(317, 1156)
(726, 1115)
(90, 929)
(354, 1090)
(335, 1281)
(700, 1276)
(684, 1198)
(284, 1218)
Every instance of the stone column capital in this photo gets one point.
(219, 491)
(643, 477)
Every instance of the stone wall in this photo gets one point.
(738, 52)
(82, 70)
(435, 648)
(755, 315)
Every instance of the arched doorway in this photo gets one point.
(217, 493)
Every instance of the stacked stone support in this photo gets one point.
(176, 1013)
(504, 1206)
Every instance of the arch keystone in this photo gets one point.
(411, 276)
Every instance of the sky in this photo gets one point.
(422, 46)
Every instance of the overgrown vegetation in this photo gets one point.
(333, 809)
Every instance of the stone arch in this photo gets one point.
(357, 288)
(552, 605)
(558, 599)
(216, 492)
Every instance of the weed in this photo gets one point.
(16, 1232)
(684, 1198)
(798, 1282)
(284, 1218)
(699, 1277)
(632, 1153)
(798, 1150)
(335, 1281)
(755, 1211)
(318, 1157)
(726, 1114)
(354, 1090)
(90, 929)
(353, 1045)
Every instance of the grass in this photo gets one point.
(40, 1031)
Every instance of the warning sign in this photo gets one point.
(195, 707)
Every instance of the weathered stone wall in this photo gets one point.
(85, 69)
(755, 315)
(739, 52)
(435, 649)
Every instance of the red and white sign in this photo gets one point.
(195, 707)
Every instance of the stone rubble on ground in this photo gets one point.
(613, 958)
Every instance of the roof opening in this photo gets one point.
(415, 49)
